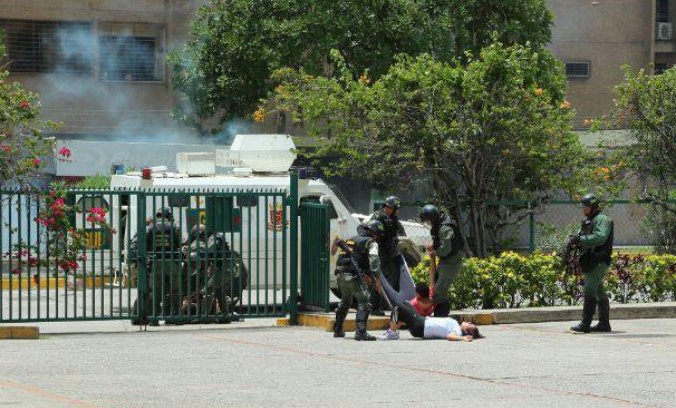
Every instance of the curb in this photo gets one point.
(25, 283)
(19, 333)
(664, 310)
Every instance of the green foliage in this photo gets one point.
(647, 105)
(236, 44)
(23, 148)
(496, 127)
(511, 280)
(551, 238)
(95, 182)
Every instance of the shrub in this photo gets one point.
(511, 280)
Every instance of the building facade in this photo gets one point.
(99, 66)
(596, 38)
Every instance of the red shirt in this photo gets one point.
(419, 307)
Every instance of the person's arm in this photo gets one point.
(177, 238)
(374, 260)
(400, 229)
(433, 270)
(455, 337)
(445, 238)
(599, 235)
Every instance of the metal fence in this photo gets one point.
(315, 259)
(564, 215)
(243, 265)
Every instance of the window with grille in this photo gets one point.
(131, 52)
(48, 46)
(662, 14)
(577, 69)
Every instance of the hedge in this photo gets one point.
(511, 280)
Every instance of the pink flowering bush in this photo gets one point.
(65, 243)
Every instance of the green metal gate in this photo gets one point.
(250, 272)
(315, 230)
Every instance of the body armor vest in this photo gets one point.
(456, 242)
(601, 253)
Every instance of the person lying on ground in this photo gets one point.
(422, 303)
(432, 327)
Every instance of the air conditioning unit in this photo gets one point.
(664, 31)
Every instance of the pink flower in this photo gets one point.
(65, 152)
(37, 162)
(24, 104)
(7, 149)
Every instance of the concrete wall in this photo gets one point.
(87, 104)
(609, 34)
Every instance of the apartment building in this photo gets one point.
(98, 65)
(596, 38)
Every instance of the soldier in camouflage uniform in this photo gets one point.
(390, 257)
(595, 238)
(447, 245)
(218, 285)
(356, 267)
(163, 241)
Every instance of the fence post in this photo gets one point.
(141, 257)
(293, 248)
(531, 222)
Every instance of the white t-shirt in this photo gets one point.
(440, 327)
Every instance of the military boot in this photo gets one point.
(604, 317)
(338, 325)
(588, 309)
(362, 334)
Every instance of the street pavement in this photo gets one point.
(254, 364)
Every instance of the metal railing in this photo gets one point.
(315, 255)
(243, 264)
(630, 222)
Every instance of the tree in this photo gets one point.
(491, 128)
(647, 105)
(224, 70)
(22, 145)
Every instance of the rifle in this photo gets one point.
(570, 256)
(339, 243)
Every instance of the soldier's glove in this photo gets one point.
(574, 239)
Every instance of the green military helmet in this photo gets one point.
(393, 202)
(430, 213)
(589, 201)
(375, 227)
(165, 213)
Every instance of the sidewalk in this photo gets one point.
(659, 310)
(325, 321)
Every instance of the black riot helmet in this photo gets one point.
(590, 201)
(165, 213)
(430, 213)
(393, 202)
(375, 227)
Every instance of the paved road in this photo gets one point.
(252, 364)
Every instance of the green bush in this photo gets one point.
(511, 280)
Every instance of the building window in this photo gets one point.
(660, 67)
(578, 69)
(48, 46)
(662, 11)
(131, 52)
